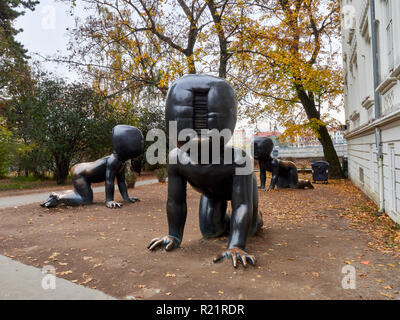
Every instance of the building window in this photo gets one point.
(393, 178)
(361, 175)
(389, 34)
(372, 168)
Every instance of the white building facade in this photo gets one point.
(372, 98)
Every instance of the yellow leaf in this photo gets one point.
(170, 275)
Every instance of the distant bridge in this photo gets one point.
(309, 151)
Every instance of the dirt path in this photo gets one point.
(300, 251)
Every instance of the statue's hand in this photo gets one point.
(167, 241)
(236, 254)
(132, 199)
(113, 204)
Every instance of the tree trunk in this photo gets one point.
(62, 170)
(335, 169)
(223, 49)
(223, 61)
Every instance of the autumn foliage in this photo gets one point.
(281, 55)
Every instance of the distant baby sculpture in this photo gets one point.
(284, 173)
(128, 144)
(203, 103)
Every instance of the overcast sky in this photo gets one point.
(45, 33)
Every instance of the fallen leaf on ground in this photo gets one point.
(87, 280)
(387, 295)
(170, 275)
(65, 272)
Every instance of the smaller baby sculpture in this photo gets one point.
(128, 144)
(284, 173)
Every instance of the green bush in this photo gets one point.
(161, 174)
(5, 149)
(130, 177)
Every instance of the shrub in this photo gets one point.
(161, 174)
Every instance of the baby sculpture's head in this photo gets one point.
(127, 142)
(201, 102)
(262, 147)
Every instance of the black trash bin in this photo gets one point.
(320, 171)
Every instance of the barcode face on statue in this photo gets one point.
(200, 119)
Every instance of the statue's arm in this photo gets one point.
(111, 169)
(123, 190)
(242, 212)
(176, 204)
(176, 211)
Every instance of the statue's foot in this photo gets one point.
(52, 201)
(261, 187)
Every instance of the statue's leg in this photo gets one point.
(256, 221)
(283, 182)
(82, 194)
(263, 173)
(305, 184)
(293, 178)
(263, 178)
(212, 217)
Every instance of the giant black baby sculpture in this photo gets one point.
(284, 173)
(128, 144)
(202, 102)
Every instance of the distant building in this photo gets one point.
(276, 134)
(310, 140)
(273, 135)
(371, 61)
(306, 140)
(337, 136)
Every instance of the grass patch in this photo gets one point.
(16, 185)
(23, 182)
